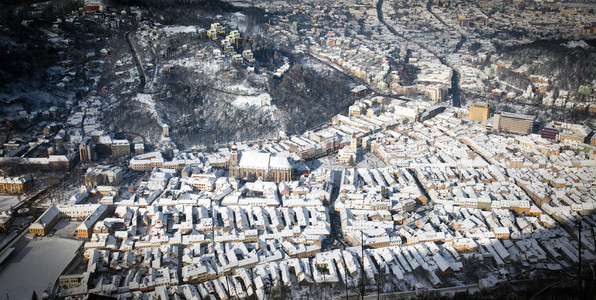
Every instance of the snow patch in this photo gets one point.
(6, 201)
(575, 44)
(163, 143)
(169, 30)
(250, 100)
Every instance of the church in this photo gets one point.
(252, 166)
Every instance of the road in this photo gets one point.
(150, 88)
(336, 232)
(75, 172)
(432, 293)
(142, 77)
(35, 213)
(454, 91)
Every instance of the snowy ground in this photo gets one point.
(370, 161)
(65, 228)
(164, 142)
(327, 162)
(250, 100)
(7, 201)
(169, 30)
(36, 266)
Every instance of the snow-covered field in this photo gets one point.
(6, 201)
(250, 100)
(36, 266)
(164, 142)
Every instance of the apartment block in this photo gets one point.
(514, 123)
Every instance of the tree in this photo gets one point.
(351, 162)
(475, 47)
(34, 296)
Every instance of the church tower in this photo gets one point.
(234, 161)
(234, 156)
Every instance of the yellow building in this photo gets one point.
(346, 155)
(501, 232)
(479, 112)
(574, 132)
(85, 230)
(103, 175)
(15, 185)
(46, 221)
(73, 280)
(355, 110)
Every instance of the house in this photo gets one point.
(45, 222)
(96, 6)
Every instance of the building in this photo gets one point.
(561, 131)
(166, 131)
(265, 100)
(346, 155)
(436, 93)
(355, 109)
(15, 185)
(86, 151)
(103, 175)
(549, 132)
(254, 165)
(91, 213)
(73, 280)
(120, 148)
(94, 6)
(248, 55)
(139, 148)
(359, 91)
(514, 123)
(5, 218)
(85, 230)
(479, 112)
(589, 29)
(46, 221)
(146, 161)
(574, 132)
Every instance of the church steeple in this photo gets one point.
(234, 156)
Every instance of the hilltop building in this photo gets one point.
(94, 6)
